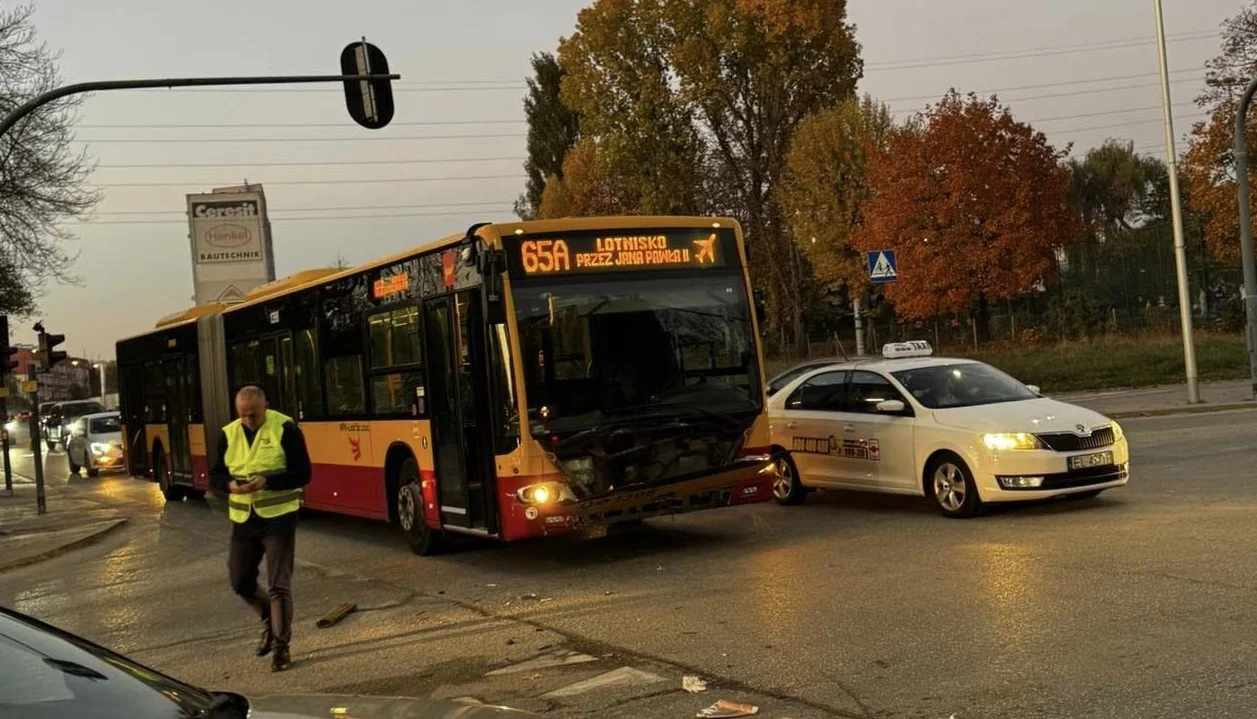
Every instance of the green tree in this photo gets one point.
(553, 129)
(825, 184)
(694, 103)
(1112, 189)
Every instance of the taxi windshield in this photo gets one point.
(964, 384)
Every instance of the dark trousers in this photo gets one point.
(276, 541)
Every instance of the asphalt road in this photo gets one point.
(1136, 604)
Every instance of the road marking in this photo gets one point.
(556, 658)
(622, 677)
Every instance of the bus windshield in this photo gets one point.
(596, 349)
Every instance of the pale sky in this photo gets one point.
(1086, 68)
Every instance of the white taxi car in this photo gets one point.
(957, 431)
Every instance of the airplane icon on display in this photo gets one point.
(706, 250)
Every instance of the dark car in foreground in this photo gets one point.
(47, 673)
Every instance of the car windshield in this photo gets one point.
(51, 674)
(591, 348)
(964, 384)
(105, 425)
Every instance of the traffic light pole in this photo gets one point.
(41, 502)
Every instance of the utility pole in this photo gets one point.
(859, 328)
(1246, 228)
(41, 501)
(1176, 213)
(7, 365)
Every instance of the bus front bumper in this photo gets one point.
(746, 482)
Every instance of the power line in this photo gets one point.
(361, 138)
(289, 219)
(1066, 83)
(310, 163)
(1127, 124)
(438, 205)
(369, 181)
(973, 58)
(256, 125)
(1049, 96)
(1110, 112)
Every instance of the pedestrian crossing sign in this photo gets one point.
(882, 266)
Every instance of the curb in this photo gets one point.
(109, 526)
(1186, 409)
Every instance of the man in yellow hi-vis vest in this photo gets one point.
(262, 465)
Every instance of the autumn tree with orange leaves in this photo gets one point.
(974, 203)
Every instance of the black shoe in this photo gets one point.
(267, 640)
(281, 660)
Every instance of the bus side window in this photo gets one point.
(245, 368)
(344, 385)
(396, 362)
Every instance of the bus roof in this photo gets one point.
(306, 278)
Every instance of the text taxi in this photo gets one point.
(959, 432)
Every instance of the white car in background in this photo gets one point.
(956, 431)
(95, 443)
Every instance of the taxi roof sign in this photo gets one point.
(915, 348)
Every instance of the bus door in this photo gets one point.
(135, 417)
(279, 373)
(179, 412)
(456, 402)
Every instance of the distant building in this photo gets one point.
(71, 379)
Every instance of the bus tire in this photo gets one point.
(171, 491)
(423, 540)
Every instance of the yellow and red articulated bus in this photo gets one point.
(519, 380)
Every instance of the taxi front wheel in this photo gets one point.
(787, 489)
(950, 484)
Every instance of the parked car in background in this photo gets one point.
(95, 443)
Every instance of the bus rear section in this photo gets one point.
(639, 365)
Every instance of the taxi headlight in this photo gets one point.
(1008, 441)
(99, 448)
(1118, 434)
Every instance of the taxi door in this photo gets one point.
(877, 449)
(808, 424)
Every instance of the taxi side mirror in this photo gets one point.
(891, 406)
(1034, 388)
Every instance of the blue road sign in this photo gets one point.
(882, 266)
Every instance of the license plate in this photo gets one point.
(1086, 461)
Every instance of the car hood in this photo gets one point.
(334, 706)
(1031, 415)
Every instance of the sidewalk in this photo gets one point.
(1166, 399)
(27, 537)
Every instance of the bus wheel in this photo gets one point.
(171, 491)
(423, 540)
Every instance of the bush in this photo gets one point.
(1231, 315)
(1075, 314)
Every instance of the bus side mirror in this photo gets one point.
(761, 305)
(490, 263)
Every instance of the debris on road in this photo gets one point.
(725, 709)
(693, 685)
(334, 616)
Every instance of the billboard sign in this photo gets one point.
(231, 243)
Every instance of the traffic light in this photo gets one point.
(7, 363)
(48, 357)
(370, 102)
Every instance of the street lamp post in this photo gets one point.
(1176, 213)
(101, 366)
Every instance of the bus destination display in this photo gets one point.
(611, 253)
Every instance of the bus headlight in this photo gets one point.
(547, 493)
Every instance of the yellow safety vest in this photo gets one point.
(264, 457)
